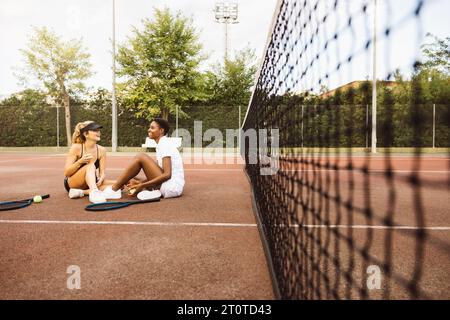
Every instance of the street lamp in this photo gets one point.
(226, 12)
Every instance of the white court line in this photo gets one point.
(121, 169)
(240, 169)
(340, 226)
(311, 170)
(358, 170)
(138, 223)
(213, 224)
(299, 170)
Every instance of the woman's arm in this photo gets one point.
(72, 164)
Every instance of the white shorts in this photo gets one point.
(171, 189)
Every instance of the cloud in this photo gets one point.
(14, 9)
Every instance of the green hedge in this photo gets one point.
(397, 126)
(326, 125)
(346, 125)
(23, 126)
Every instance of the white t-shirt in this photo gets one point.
(165, 148)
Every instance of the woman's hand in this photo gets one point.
(138, 188)
(134, 181)
(86, 158)
(101, 179)
(134, 188)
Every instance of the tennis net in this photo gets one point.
(336, 221)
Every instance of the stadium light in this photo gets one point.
(226, 12)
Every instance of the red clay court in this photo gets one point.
(203, 245)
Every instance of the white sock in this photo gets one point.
(76, 193)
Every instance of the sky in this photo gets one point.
(332, 52)
(91, 20)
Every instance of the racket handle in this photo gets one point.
(45, 196)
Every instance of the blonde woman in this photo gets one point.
(85, 164)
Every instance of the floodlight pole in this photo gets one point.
(114, 105)
(374, 81)
(226, 13)
(226, 40)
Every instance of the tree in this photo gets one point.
(437, 55)
(60, 66)
(433, 73)
(160, 64)
(230, 83)
(27, 97)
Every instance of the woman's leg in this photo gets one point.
(91, 180)
(84, 178)
(149, 166)
(140, 161)
(105, 184)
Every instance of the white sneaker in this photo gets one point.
(147, 195)
(109, 193)
(96, 196)
(76, 193)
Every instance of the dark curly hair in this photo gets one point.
(163, 124)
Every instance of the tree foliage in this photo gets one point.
(59, 65)
(159, 64)
(437, 55)
(230, 83)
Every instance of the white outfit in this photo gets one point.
(174, 186)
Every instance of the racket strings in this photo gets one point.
(17, 204)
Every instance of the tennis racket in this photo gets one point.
(12, 205)
(105, 206)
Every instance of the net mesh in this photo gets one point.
(336, 222)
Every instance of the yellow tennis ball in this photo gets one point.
(37, 199)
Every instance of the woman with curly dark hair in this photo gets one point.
(164, 177)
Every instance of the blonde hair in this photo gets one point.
(77, 136)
